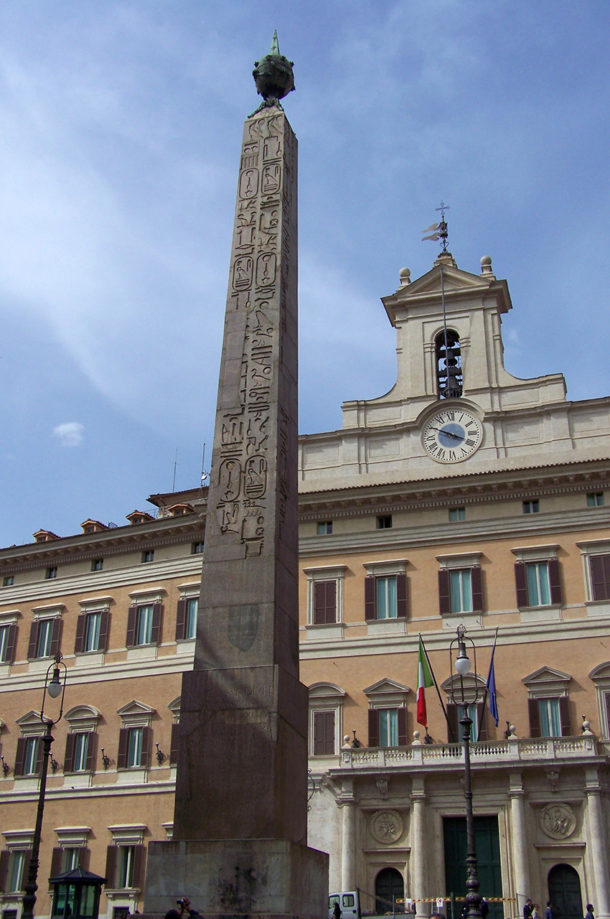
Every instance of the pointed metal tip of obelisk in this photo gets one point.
(275, 48)
(273, 75)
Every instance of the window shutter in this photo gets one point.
(157, 618)
(564, 716)
(444, 592)
(146, 747)
(139, 860)
(4, 862)
(482, 721)
(181, 620)
(11, 642)
(20, 755)
(402, 727)
(173, 747)
(84, 858)
(555, 581)
(402, 605)
(370, 598)
(599, 566)
(453, 729)
(33, 640)
(69, 754)
(132, 617)
(91, 752)
(39, 754)
(476, 581)
(373, 728)
(606, 728)
(58, 626)
(123, 747)
(323, 733)
(57, 861)
(104, 630)
(112, 853)
(81, 625)
(325, 602)
(522, 592)
(26, 867)
(534, 714)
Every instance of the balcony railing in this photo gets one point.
(488, 752)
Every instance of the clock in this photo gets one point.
(452, 435)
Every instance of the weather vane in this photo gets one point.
(438, 230)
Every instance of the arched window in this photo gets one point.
(448, 365)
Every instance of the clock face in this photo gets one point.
(452, 435)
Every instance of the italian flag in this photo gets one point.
(424, 678)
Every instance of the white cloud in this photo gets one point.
(69, 433)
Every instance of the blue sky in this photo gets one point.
(120, 132)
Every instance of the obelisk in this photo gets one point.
(240, 823)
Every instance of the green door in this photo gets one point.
(487, 843)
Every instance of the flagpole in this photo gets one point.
(440, 698)
(493, 651)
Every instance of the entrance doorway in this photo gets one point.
(389, 887)
(487, 842)
(564, 892)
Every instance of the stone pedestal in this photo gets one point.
(256, 878)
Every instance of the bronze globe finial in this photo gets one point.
(273, 75)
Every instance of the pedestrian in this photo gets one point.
(548, 913)
(527, 909)
(589, 913)
(336, 910)
(186, 910)
(484, 907)
(536, 912)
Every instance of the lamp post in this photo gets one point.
(465, 696)
(54, 687)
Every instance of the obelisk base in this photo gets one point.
(261, 878)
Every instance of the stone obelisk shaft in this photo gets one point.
(242, 758)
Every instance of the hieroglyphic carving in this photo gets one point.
(260, 245)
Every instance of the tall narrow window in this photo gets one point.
(461, 590)
(144, 624)
(448, 365)
(30, 756)
(388, 727)
(45, 637)
(8, 636)
(17, 872)
(538, 583)
(325, 602)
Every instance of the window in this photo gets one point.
(197, 548)
(531, 507)
(8, 580)
(323, 733)
(97, 564)
(460, 584)
(325, 595)
(78, 756)
(599, 568)
(385, 596)
(448, 364)
(28, 758)
(325, 602)
(548, 702)
(384, 522)
(8, 639)
(134, 747)
(324, 527)
(92, 627)
(325, 717)
(148, 555)
(135, 736)
(538, 583)
(51, 573)
(45, 637)
(595, 499)
(186, 619)
(17, 862)
(387, 713)
(125, 866)
(455, 730)
(457, 514)
(144, 624)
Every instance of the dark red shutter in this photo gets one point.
(81, 626)
(534, 716)
(91, 752)
(123, 748)
(112, 853)
(39, 754)
(11, 642)
(564, 716)
(104, 630)
(402, 605)
(58, 626)
(84, 857)
(181, 620)
(555, 581)
(325, 602)
(444, 592)
(132, 618)
(26, 867)
(173, 746)
(323, 733)
(373, 728)
(5, 858)
(599, 566)
(69, 755)
(482, 721)
(453, 727)
(146, 746)
(57, 861)
(370, 597)
(402, 727)
(522, 591)
(139, 861)
(20, 755)
(476, 581)
(32, 646)
(157, 618)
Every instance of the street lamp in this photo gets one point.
(54, 686)
(464, 695)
